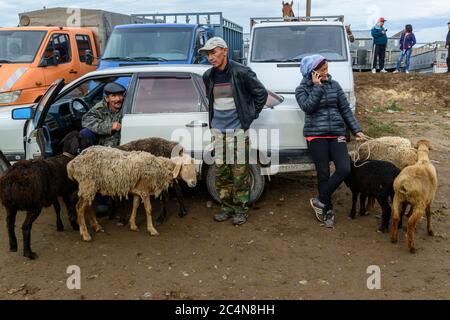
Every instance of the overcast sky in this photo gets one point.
(429, 18)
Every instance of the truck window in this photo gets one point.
(292, 43)
(170, 44)
(20, 46)
(61, 43)
(83, 44)
(166, 95)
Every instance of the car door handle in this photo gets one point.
(194, 124)
(73, 71)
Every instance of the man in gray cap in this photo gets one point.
(236, 97)
(103, 122)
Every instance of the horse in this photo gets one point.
(349, 32)
(287, 11)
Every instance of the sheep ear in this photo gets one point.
(177, 169)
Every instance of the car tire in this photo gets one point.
(257, 182)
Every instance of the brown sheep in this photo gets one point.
(415, 185)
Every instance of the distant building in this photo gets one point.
(361, 50)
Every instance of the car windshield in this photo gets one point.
(149, 44)
(292, 43)
(19, 46)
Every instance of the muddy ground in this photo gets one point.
(282, 252)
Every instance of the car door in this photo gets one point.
(37, 137)
(168, 105)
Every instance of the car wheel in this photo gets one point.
(257, 183)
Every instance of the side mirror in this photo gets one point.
(53, 60)
(237, 55)
(89, 57)
(22, 113)
(56, 57)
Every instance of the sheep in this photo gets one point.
(116, 173)
(374, 179)
(30, 185)
(161, 148)
(416, 185)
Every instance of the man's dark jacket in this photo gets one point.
(326, 109)
(249, 93)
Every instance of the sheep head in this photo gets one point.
(185, 169)
(423, 145)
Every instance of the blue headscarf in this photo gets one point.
(309, 63)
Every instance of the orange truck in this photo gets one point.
(46, 47)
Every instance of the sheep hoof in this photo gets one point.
(75, 226)
(431, 233)
(412, 250)
(60, 228)
(134, 228)
(120, 224)
(30, 255)
(182, 213)
(13, 248)
(394, 240)
(153, 233)
(383, 229)
(99, 229)
(87, 238)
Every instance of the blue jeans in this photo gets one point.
(406, 54)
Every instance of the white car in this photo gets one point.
(166, 101)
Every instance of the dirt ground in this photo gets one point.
(282, 252)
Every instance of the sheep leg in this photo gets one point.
(113, 209)
(396, 207)
(59, 224)
(362, 204)
(26, 232)
(370, 204)
(402, 213)
(412, 221)
(132, 221)
(354, 200)
(10, 222)
(93, 220)
(81, 207)
(429, 229)
(69, 200)
(179, 196)
(163, 215)
(148, 210)
(386, 213)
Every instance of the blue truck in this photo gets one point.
(151, 39)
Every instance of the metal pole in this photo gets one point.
(308, 8)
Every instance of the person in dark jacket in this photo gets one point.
(407, 41)
(447, 45)
(327, 112)
(236, 97)
(379, 45)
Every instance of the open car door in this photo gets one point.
(37, 136)
(4, 163)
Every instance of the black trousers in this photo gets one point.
(323, 151)
(448, 60)
(378, 53)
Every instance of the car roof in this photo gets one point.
(191, 68)
(296, 23)
(155, 25)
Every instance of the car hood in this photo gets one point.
(10, 73)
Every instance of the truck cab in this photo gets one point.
(151, 40)
(31, 58)
(277, 48)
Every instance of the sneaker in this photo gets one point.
(328, 219)
(406, 71)
(222, 216)
(383, 71)
(396, 71)
(374, 70)
(239, 218)
(318, 208)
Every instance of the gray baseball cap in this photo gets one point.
(213, 43)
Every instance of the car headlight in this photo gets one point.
(9, 97)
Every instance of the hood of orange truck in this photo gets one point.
(10, 74)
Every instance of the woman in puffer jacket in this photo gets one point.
(327, 112)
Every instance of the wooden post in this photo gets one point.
(308, 8)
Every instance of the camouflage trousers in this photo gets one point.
(231, 152)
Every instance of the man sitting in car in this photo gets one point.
(102, 124)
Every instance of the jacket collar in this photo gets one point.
(310, 83)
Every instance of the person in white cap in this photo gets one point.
(236, 97)
(379, 45)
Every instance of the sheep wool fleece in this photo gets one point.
(232, 176)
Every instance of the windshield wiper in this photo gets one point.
(149, 59)
(5, 61)
(119, 58)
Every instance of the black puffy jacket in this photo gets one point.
(326, 109)
(249, 93)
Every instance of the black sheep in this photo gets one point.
(373, 179)
(30, 185)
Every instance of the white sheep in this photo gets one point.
(116, 173)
